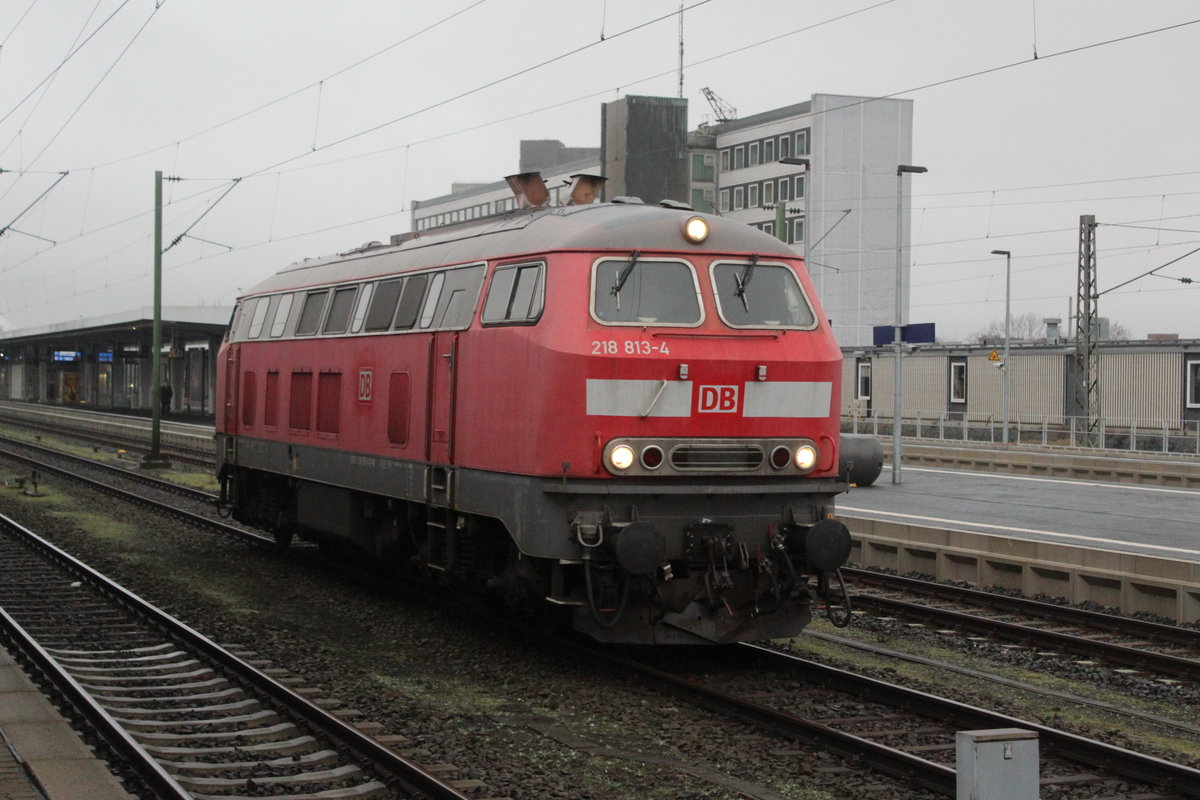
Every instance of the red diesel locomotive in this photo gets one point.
(617, 414)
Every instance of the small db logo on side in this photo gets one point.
(718, 399)
(364, 385)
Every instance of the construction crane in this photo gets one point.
(724, 111)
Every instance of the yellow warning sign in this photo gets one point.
(993, 356)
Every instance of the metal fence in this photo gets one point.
(1131, 435)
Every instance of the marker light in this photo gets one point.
(621, 457)
(806, 456)
(780, 457)
(695, 230)
(652, 457)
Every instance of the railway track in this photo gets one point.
(190, 718)
(1152, 647)
(899, 731)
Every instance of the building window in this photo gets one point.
(785, 146)
(752, 197)
(725, 160)
(768, 151)
(802, 143)
(958, 382)
(769, 227)
(754, 154)
(863, 389)
(769, 192)
(1193, 384)
(739, 157)
(799, 187)
(724, 199)
(738, 198)
(702, 200)
(785, 184)
(702, 168)
(799, 226)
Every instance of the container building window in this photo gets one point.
(738, 198)
(724, 199)
(724, 161)
(958, 382)
(799, 230)
(769, 193)
(739, 157)
(271, 406)
(338, 318)
(799, 187)
(300, 412)
(281, 315)
(754, 154)
(802, 143)
(310, 313)
(863, 389)
(1193, 384)
(768, 151)
(329, 402)
(785, 146)
(515, 295)
(752, 198)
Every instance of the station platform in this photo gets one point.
(41, 756)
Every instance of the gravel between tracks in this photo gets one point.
(527, 723)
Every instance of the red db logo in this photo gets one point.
(718, 399)
(364, 385)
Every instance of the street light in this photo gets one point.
(1004, 365)
(780, 205)
(898, 381)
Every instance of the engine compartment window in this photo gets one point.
(756, 295)
(281, 315)
(338, 318)
(652, 291)
(310, 312)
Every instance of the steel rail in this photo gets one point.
(411, 778)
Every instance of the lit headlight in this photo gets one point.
(806, 456)
(621, 457)
(695, 230)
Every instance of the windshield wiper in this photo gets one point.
(743, 281)
(624, 276)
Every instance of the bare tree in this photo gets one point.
(1022, 326)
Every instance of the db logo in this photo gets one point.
(364, 384)
(718, 399)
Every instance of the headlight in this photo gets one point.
(806, 456)
(695, 230)
(621, 457)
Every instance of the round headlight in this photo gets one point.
(780, 457)
(695, 230)
(806, 456)
(621, 457)
(652, 457)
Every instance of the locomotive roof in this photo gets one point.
(620, 227)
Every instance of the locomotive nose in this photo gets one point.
(640, 548)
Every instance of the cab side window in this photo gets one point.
(516, 295)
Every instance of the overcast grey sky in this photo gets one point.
(332, 148)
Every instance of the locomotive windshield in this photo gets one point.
(638, 291)
(754, 295)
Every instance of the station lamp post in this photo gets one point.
(898, 380)
(1007, 317)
